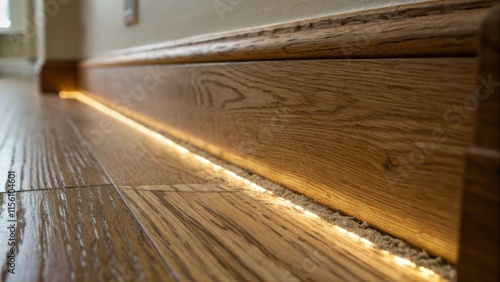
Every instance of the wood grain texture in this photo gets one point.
(230, 236)
(480, 232)
(38, 141)
(488, 85)
(58, 75)
(480, 236)
(78, 234)
(431, 28)
(357, 136)
(131, 157)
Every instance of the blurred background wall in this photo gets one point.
(77, 29)
(40, 29)
(17, 48)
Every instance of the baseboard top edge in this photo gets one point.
(425, 29)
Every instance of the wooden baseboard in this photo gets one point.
(380, 139)
(429, 29)
(58, 75)
(480, 235)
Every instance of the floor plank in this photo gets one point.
(78, 234)
(130, 157)
(221, 236)
(38, 142)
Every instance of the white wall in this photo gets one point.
(163, 20)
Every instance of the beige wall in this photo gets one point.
(13, 46)
(63, 29)
(162, 20)
(45, 29)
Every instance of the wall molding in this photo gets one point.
(428, 29)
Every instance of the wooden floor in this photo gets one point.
(98, 200)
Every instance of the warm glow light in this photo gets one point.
(69, 94)
(242, 181)
(366, 242)
(402, 261)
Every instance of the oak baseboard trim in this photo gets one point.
(428, 29)
(58, 75)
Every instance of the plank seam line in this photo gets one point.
(183, 192)
(61, 188)
(93, 155)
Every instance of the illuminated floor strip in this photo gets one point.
(425, 272)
